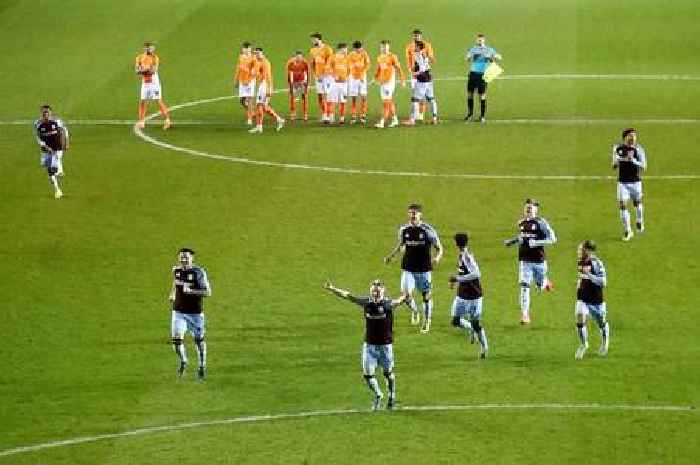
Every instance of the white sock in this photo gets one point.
(412, 305)
(202, 353)
(54, 182)
(181, 351)
(482, 339)
(525, 299)
(465, 324)
(583, 334)
(625, 217)
(373, 386)
(640, 214)
(433, 107)
(605, 334)
(415, 110)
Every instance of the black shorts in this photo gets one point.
(476, 82)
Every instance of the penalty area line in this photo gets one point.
(341, 412)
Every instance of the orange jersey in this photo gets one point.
(387, 63)
(263, 71)
(244, 68)
(339, 65)
(319, 58)
(146, 61)
(299, 70)
(411, 49)
(359, 64)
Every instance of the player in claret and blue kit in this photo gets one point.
(630, 160)
(592, 278)
(379, 336)
(52, 137)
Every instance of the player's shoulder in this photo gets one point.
(37, 123)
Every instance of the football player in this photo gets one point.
(388, 67)
(592, 278)
(298, 81)
(630, 159)
(52, 137)
(245, 80)
(263, 72)
(146, 66)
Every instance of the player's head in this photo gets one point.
(299, 55)
(46, 112)
(461, 240)
(417, 34)
(185, 256)
(586, 249)
(316, 39)
(629, 135)
(149, 47)
(342, 47)
(357, 45)
(246, 47)
(420, 45)
(415, 213)
(384, 46)
(258, 52)
(480, 39)
(531, 208)
(376, 290)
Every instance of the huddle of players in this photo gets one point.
(341, 73)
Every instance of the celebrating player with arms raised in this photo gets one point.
(592, 278)
(52, 137)
(246, 81)
(298, 80)
(379, 337)
(146, 66)
(533, 234)
(468, 301)
(416, 240)
(630, 159)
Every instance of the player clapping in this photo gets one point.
(592, 278)
(146, 66)
(630, 160)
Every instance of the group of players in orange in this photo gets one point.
(337, 74)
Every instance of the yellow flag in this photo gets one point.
(492, 72)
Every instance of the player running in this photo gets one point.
(340, 69)
(146, 66)
(263, 71)
(319, 54)
(467, 305)
(190, 286)
(423, 89)
(533, 234)
(589, 298)
(298, 80)
(630, 160)
(379, 335)
(409, 52)
(357, 84)
(52, 137)
(480, 56)
(246, 81)
(416, 240)
(388, 67)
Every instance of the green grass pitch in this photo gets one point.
(85, 348)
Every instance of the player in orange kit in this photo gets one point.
(298, 80)
(246, 81)
(387, 67)
(319, 54)
(410, 62)
(147, 67)
(263, 73)
(340, 67)
(357, 83)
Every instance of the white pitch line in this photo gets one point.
(339, 412)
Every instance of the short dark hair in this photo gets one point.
(417, 31)
(377, 282)
(186, 250)
(420, 45)
(258, 49)
(590, 245)
(148, 43)
(532, 202)
(298, 52)
(481, 34)
(384, 42)
(357, 44)
(246, 44)
(628, 131)
(461, 239)
(46, 106)
(316, 35)
(415, 206)
(342, 45)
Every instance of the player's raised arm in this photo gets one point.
(342, 293)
